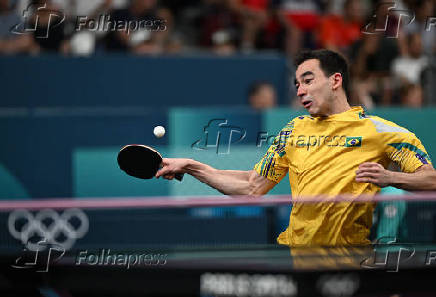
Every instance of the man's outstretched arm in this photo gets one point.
(228, 182)
(423, 179)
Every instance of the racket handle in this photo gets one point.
(179, 176)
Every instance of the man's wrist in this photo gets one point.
(394, 178)
(189, 165)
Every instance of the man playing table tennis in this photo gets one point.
(336, 150)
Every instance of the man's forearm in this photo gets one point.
(229, 182)
(424, 180)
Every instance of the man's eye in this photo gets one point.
(307, 81)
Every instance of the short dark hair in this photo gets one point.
(330, 63)
(257, 86)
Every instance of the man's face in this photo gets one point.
(314, 89)
(264, 98)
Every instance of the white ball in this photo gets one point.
(159, 131)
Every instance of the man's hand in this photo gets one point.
(370, 172)
(172, 166)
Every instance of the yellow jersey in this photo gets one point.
(321, 155)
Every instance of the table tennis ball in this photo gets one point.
(159, 131)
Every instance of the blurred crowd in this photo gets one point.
(391, 44)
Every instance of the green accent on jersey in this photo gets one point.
(410, 147)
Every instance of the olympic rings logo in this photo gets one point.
(48, 225)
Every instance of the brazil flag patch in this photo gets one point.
(353, 141)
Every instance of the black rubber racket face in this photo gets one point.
(139, 161)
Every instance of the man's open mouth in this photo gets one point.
(307, 103)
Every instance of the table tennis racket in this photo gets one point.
(141, 161)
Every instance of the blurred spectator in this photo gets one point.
(262, 95)
(254, 17)
(219, 16)
(335, 7)
(372, 57)
(407, 72)
(83, 40)
(301, 18)
(174, 44)
(275, 33)
(408, 69)
(411, 96)
(424, 9)
(428, 78)
(73, 8)
(223, 43)
(148, 40)
(338, 32)
(93, 8)
(305, 15)
(11, 43)
(263, 27)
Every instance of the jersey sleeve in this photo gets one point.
(407, 151)
(274, 164)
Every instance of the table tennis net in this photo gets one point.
(135, 223)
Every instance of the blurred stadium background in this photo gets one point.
(70, 99)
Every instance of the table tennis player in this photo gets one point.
(337, 149)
